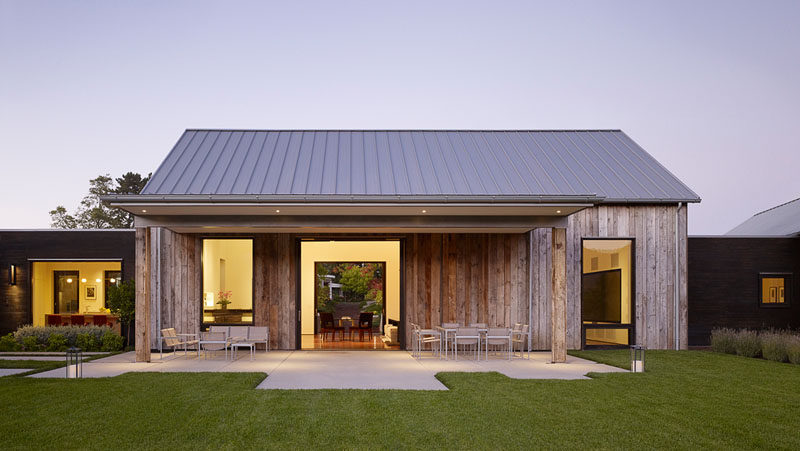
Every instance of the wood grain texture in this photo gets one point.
(558, 304)
(483, 278)
(652, 227)
(142, 329)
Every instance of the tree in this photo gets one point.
(122, 303)
(92, 212)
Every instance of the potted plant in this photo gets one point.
(224, 299)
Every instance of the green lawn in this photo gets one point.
(686, 399)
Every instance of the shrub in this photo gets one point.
(793, 350)
(87, 342)
(8, 343)
(57, 343)
(775, 346)
(723, 340)
(42, 333)
(30, 344)
(112, 342)
(748, 343)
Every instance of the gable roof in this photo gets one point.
(601, 164)
(782, 220)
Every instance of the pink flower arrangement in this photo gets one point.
(224, 298)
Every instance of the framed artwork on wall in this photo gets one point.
(91, 292)
(773, 294)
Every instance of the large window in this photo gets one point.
(111, 278)
(227, 281)
(775, 289)
(607, 292)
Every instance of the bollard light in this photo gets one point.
(74, 363)
(637, 358)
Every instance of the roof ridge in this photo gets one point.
(777, 206)
(401, 130)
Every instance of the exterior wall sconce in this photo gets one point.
(637, 359)
(12, 274)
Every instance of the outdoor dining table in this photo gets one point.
(452, 330)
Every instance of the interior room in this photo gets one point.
(350, 294)
(227, 281)
(606, 292)
(72, 292)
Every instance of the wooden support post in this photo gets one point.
(558, 296)
(142, 328)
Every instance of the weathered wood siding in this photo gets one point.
(275, 293)
(461, 278)
(175, 283)
(466, 278)
(653, 230)
(179, 287)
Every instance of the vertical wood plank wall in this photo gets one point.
(179, 289)
(274, 294)
(466, 278)
(453, 277)
(653, 231)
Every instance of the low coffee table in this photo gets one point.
(243, 344)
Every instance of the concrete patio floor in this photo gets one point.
(343, 369)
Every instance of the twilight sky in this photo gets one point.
(710, 89)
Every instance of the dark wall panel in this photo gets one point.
(723, 284)
(19, 247)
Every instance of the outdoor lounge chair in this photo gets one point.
(170, 338)
(258, 334)
(214, 341)
(238, 333)
(498, 338)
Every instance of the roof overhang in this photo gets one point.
(351, 214)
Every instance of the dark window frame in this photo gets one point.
(204, 325)
(631, 327)
(787, 286)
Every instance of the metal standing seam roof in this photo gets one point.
(782, 220)
(363, 163)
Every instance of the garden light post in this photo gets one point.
(74, 363)
(637, 358)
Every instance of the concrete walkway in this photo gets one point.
(343, 369)
(10, 371)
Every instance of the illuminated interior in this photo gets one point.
(385, 253)
(227, 281)
(65, 288)
(606, 292)
(773, 290)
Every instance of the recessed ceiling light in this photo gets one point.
(83, 280)
(277, 211)
(97, 280)
(424, 211)
(144, 211)
(558, 211)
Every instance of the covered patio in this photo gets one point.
(343, 369)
